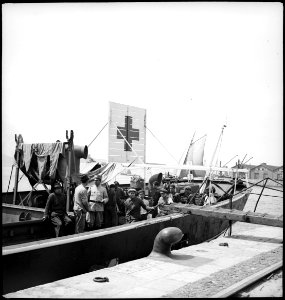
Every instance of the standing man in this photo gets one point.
(80, 206)
(55, 209)
(111, 208)
(120, 196)
(98, 196)
(133, 207)
(144, 213)
(155, 195)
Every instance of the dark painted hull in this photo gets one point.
(36, 263)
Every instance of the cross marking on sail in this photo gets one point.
(131, 134)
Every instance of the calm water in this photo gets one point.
(266, 204)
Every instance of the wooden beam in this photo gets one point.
(227, 214)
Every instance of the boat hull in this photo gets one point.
(36, 263)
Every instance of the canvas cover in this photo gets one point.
(107, 172)
(47, 161)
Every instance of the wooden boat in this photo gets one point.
(38, 262)
(44, 259)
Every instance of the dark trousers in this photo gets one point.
(143, 217)
(110, 216)
(58, 220)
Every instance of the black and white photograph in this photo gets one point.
(142, 150)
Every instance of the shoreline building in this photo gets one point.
(262, 171)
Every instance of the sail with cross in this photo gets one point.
(127, 133)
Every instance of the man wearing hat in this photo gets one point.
(97, 197)
(186, 197)
(144, 213)
(55, 209)
(133, 207)
(163, 200)
(80, 206)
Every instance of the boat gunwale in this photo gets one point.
(50, 242)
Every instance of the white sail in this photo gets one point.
(195, 156)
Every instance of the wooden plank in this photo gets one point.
(227, 214)
(247, 281)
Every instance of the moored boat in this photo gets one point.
(34, 263)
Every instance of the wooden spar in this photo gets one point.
(260, 194)
(227, 214)
(18, 140)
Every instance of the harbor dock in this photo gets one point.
(217, 268)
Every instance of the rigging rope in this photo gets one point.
(162, 145)
(98, 134)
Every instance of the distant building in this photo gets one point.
(278, 172)
(263, 171)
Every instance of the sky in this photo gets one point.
(194, 67)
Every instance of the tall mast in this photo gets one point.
(218, 143)
(186, 157)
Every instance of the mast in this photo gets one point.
(186, 157)
(218, 144)
(68, 179)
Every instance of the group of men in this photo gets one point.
(95, 206)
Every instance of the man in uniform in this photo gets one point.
(97, 195)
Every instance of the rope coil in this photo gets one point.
(101, 279)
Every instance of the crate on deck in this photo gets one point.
(137, 182)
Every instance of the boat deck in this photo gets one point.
(204, 270)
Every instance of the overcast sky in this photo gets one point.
(192, 66)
